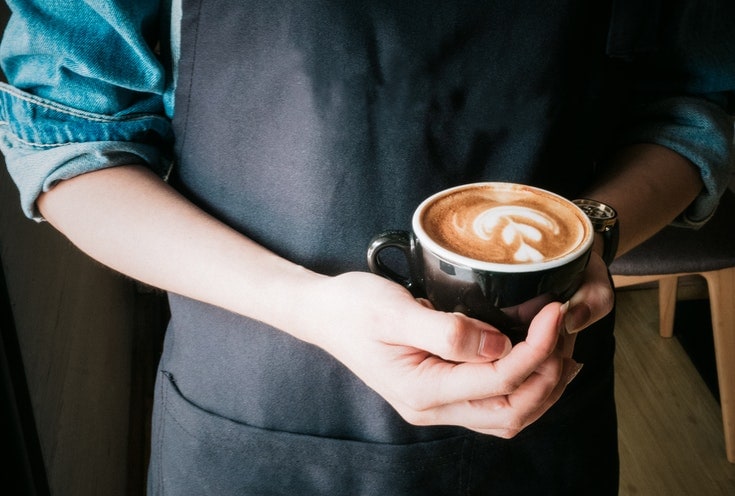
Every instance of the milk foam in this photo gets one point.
(505, 224)
(519, 228)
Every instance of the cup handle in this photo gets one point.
(403, 241)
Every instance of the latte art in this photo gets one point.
(507, 224)
(521, 229)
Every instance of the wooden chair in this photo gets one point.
(708, 252)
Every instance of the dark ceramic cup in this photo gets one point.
(497, 252)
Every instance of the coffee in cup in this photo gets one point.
(494, 251)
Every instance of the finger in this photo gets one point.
(570, 371)
(504, 415)
(436, 382)
(454, 337)
(540, 343)
(593, 300)
(526, 311)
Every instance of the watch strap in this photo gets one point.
(610, 237)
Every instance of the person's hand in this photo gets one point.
(593, 300)
(439, 368)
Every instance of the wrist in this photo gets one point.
(293, 302)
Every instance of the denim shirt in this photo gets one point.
(72, 107)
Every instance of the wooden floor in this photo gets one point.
(669, 423)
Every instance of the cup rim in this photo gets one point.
(456, 259)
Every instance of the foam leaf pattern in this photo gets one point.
(516, 226)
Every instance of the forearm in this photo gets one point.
(649, 186)
(128, 219)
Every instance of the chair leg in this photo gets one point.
(721, 285)
(667, 287)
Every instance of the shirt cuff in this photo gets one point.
(700, 131)
(45, 142)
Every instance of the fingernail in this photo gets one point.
(576, 318)
(572, 372)
(490, 344)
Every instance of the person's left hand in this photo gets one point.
(593, 300)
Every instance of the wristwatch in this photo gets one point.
(604, 221)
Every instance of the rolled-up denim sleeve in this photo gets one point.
(698, 130)
(685, 95)
(85, 91)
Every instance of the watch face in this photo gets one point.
(604, 220)
(599, 213)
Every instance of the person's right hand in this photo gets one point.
(438, 368)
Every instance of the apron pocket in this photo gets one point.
(197, 452)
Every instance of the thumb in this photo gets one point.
(455, 337)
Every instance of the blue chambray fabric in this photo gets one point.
(698, 130)
(45, 142)
(89, 92)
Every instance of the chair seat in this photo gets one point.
(711, 247)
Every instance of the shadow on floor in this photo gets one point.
(693, 329)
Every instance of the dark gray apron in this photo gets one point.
(310, 126)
